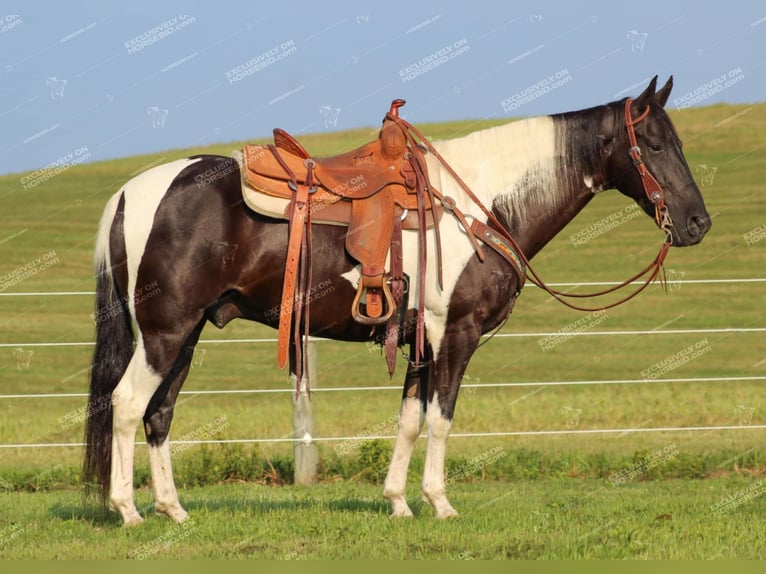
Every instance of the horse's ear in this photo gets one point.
(640, 103)
(664, 93)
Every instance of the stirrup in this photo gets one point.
(389, 305)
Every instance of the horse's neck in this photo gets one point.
(536, 174)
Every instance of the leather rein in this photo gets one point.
(653, 191)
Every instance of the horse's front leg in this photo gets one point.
(434, 488)
(410, 423)
(457, 346)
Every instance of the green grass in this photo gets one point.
(548, 519)
(61, 216)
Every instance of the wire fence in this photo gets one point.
(452, 435)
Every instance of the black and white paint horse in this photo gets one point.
(177, 248)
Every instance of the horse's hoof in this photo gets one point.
(440, 504)
(128, 513)
(177, 514)
(447, 514)
(402, 513)
(132, 521)
(399, 506)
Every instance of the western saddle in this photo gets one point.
(377, 190)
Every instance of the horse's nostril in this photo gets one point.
(698, 225)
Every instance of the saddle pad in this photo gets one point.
(278, 207)
(323, 213)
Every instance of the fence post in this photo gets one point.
(305, 451)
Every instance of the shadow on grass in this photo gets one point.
(90, 510)
(87, 511)
(360, 505)
(306, 502)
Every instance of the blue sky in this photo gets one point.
(102, 80)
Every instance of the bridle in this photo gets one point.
(653, 191)
(652, 187)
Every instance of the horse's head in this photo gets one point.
(655, 155)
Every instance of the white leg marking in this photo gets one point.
(410, 423)
(129, 402)
(433, 475)
(163, 487)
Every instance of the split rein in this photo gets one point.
(653, 191)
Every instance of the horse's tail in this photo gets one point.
(114, 348)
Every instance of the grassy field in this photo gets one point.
(51, 228)
(551, 519)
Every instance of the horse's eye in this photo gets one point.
(655, 147)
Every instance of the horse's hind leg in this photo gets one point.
(157, 420)
(410, 424)
(152, 363)
(129, 401)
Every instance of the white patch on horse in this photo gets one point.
(588, 181)
(497, 164)
(143, 194)
(353, 276)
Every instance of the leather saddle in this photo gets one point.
(378, 172)
(376, 190)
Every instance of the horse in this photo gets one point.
(177, 249)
